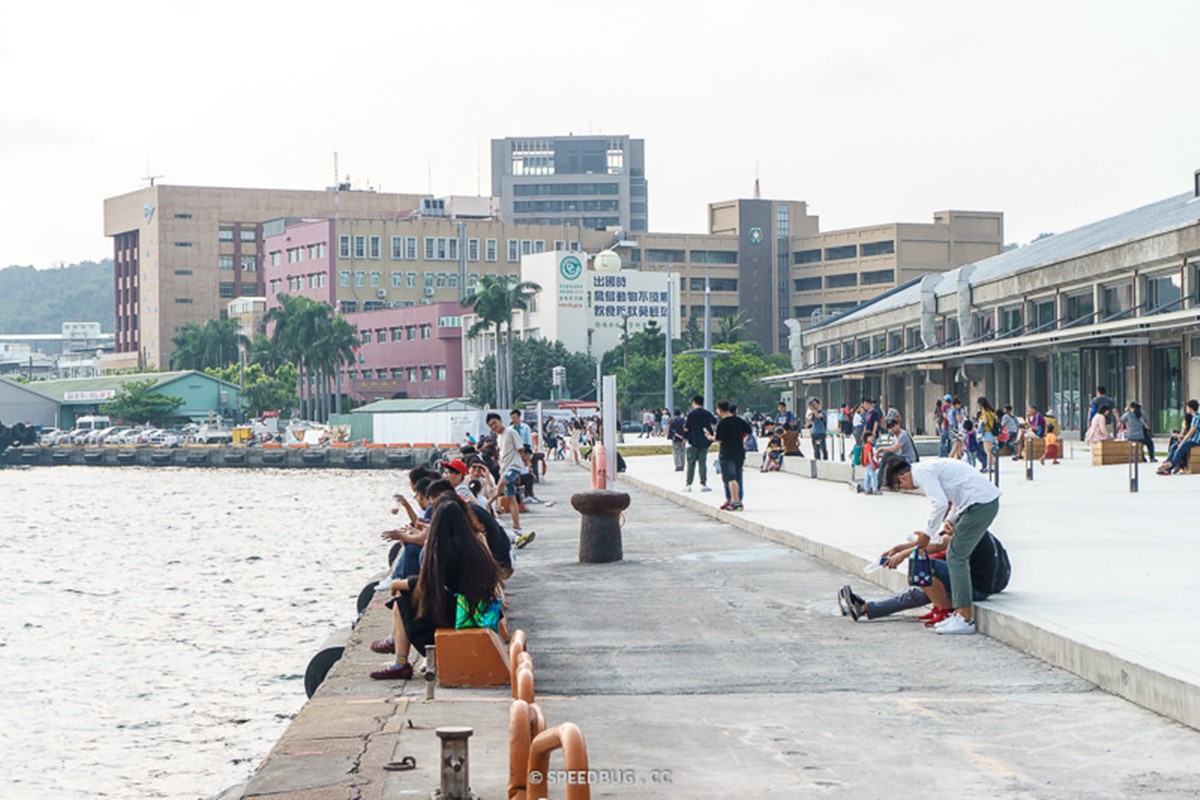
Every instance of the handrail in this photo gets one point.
(568, 738)
(525, 722)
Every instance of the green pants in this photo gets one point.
(968, 530)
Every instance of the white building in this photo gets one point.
(587, 306)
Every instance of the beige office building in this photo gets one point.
(180, 253)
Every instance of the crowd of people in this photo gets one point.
(456, 551)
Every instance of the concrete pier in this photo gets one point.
(222, 456)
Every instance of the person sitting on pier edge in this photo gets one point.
(456, 563)
(990, 572)
(961, 500)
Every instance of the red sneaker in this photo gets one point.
(937, 615)
(928, 615)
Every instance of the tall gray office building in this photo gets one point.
(591, 181)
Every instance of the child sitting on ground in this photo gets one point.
(773, 455)
(1051, 450)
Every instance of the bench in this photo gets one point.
(471, 657)
(1112, 451)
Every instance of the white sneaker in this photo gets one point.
(954, 625)
(687, 488)
(704, 488)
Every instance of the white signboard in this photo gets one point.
(98, 394)
(639, 297)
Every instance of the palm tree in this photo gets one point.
(297, 323)
(216, 343)
(490, 304)
(520, 297)
(732, 328)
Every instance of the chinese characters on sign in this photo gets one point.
(615, 298)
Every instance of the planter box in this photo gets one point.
(1114, 452)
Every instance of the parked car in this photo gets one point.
(114, 435)
(163, 437)
(97, 436)
(48, 435)
(631, 426)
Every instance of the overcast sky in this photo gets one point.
(1056, 113)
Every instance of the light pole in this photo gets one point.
(669, 388)
(708, 352)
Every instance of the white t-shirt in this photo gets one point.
(947, 481)
(510, 450)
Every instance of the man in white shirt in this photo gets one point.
(509, 442)
(962, 501)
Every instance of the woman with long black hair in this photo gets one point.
(455, 562)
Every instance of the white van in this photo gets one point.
(92, 423)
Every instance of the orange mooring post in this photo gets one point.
(568, 738)
(524, 685)
(515, 648)
(599, 467)
(525, 721)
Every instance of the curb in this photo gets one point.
(1143, 683)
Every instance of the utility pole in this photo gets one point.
(625, 341)
(708, 352)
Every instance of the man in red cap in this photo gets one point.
(455, 471)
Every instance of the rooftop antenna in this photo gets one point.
(757, 192)
(149, 176)
(335, 169)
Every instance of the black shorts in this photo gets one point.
(420, 630)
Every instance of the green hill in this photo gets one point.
(40, 300)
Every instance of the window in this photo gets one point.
(665, 256)
(1041, 315)
(349, 306)
(430, 246)
(1163, 293)
(381, 335)
(343, 247)
(879, 344)
(806, 312)
(397, 373)
(364, 336)
(559, 245)
(225, 234)
(539, 246)
(410, 280)
(452, 280)
(441, 280)
(225, 262)
(428, 278)
(183, 244)
(410, 332)
(714, 257)
(574, 247)
(472, 249)
(360, 247)
(410, 248)
(514, 250)
(449, 322)
(249, 235)
(312, 252)
(426, 374)
(426, 331)
(895, 341)
(183, 300)
(226, 290)
(397, 280)
(276, 286)
(1010, 320)
(183, 272)
(396, 334)
(182, 215)
(526, 247)
(249, 264)
(452, 249)
(717, 284)
(375, 279)
(806, 257)
(360, 277)
(807, 284)
(985, 325)
(913, 340)
(841, 281)
(878, 248)
(878, 276)
(841, 253)
(1078, 308)
(491, 250)
(343, 278)
(441, 373)
(397, 248)
(320, 250)
(275, 258)
(1117, 301)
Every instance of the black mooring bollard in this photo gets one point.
(600, 526)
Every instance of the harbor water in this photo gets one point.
(155, 623)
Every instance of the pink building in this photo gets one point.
(408, 349)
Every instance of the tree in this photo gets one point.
(533, 360)
(262, 389)
(216, 343)
(137, 402)
(732, 328)
(651, 341)
(735, 376)
(319, 342)
(493, 302)
(693, 333)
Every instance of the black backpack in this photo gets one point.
(990, 567)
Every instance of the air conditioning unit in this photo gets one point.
(381, 293)
(430, 291)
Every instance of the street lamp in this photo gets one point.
(708, 352)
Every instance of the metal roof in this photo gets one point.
(416, 404)
(1160, 217)
(57, 389)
